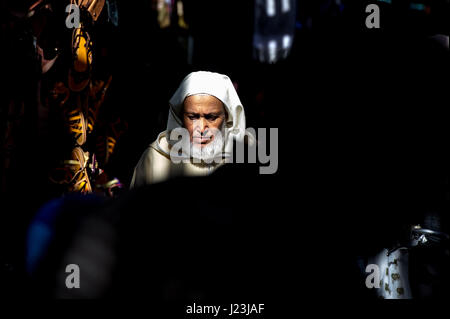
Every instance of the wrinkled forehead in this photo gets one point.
(203, 102)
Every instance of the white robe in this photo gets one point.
(155, 165)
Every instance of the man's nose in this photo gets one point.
(202, 125)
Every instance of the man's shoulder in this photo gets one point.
(157, 149)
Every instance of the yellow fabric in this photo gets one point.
(81, 63)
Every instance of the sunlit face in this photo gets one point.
(203, 115)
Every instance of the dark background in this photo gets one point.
(362, 117)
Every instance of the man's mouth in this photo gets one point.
(202, 140)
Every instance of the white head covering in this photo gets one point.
(219, 86)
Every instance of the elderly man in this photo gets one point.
(207, 107)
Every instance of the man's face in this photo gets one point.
(203, 116)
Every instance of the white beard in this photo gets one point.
(210, 151)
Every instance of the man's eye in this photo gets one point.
(192, 117)
(211, 117)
